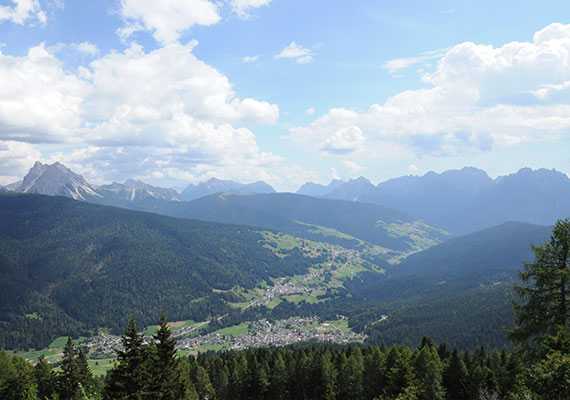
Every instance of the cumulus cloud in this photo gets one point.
(16, 158)
(242, 7)
(159, 111)
(310, 111)
(344, 141)
(22, 12)
(478, 97)
(166, 19)
(298, 52)
(39, 101)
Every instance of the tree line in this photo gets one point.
(153, 370)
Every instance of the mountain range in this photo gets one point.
(459, 201)
(468, 200)
(214, 185)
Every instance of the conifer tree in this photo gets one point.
(130, 377)
(428, 370)
(455, 377)
(45, 378)
(75, 378)
(165, 381)
(545, 294)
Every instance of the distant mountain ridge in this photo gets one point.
(468, 200)
(316, 189)
(58, 180)
(214, 185)
(460, 201)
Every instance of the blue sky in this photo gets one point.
(285, 91)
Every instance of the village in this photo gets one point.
(260, 333)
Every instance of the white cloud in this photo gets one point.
(479, 97)
(301, 54)
(247, 59)
(242, 7)
(310, 111)
(344, 141)
(352, 166)
(16, 158)
(87, 48)
(178, 85)
(166, 19)
(183, 120)
(39, 101)
(84, 48)
(304, 60)
(23, 11)
(413, 168)
(397, 64)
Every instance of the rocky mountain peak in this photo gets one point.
(56, 180)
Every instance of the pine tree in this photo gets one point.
(165, 382)
(455, 377)
(544, 293)
(45, 379)
(130, 377)
(75, 378)
(428, 370)
(401, 376)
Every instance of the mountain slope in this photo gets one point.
(78, 266)
(316, 219)
(459, 291)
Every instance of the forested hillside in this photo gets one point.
(68, 266)
(316, 219)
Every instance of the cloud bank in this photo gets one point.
(479, 97)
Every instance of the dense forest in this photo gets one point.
(310, 371)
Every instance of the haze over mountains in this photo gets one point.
(468, 200)
(459, 201)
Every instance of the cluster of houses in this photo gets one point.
(277, 333)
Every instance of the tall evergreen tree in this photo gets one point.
(130, 377)
(544, 293)
(428, 369)
(165, 380)
(455, 377)
(45, 378)
(75, 378)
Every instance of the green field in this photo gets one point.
(60, 342)
(34, 355)
(101, 367)
(235, 330)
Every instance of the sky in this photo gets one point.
(173, 92)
